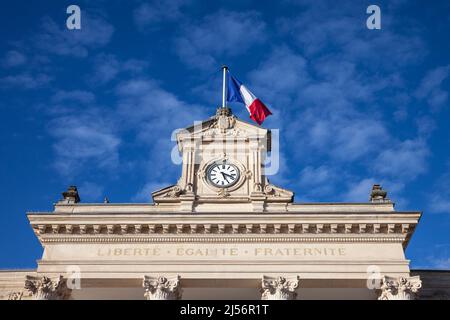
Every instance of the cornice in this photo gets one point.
(222, 232)
(48, 239)
(234, 205)
(228, 216)
(57, 227)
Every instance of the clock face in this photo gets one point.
(222, 174)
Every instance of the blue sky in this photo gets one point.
(96, 107)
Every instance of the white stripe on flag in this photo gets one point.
(247, 96)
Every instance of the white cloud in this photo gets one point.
(90, 192)
(343, 136)
(359, 191)
(201, 44)
(439, 197)
(439, 203)
(355, 138)
(158, 11)
(151, 111)
(404, 160)
(443, 263)
(107, 67)
(280, 76)
(26, 80)
(328, 94)
(331, 74)
(145, 193)
(317, 181)
(144, 101)
(312, 176)
(432, 79)
(430, 87)
(73, 96)
(13, 58)
(86, 139)
(321, 29)
(55, 38)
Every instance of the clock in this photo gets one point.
(222, 174)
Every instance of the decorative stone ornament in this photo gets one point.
(70, 196)
(44, 288)
(378, 194)
(279, 288)
(174, 192)
(162, 288)
(225, 119)
(400, 288)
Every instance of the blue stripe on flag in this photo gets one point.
(233, 92)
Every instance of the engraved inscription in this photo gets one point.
(223, 252)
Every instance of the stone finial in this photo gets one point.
(400, 288)
(162, 288)
(378, 194)
(71, 195)
(279, 288)
(44, 288)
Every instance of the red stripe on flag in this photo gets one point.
(258, 111)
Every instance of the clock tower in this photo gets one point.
(223, 161)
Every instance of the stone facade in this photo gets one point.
(197, 240)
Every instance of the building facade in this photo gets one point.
(223, 231)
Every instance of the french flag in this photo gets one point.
(236, 91)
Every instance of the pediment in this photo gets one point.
(223, 125)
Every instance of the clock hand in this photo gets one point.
(228, 175)
(223, 175)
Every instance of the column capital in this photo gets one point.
(45, 288)
(401, 288)
(162, 288)
(279, 288)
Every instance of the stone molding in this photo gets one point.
(400, 288)
(162, 288)
(218, 239)
(279, 288)
(45, 288)
(225, 228)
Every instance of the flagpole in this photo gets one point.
(224, 85)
